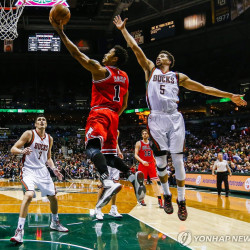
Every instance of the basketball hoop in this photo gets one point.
(9, 16)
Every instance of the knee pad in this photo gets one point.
(93, 148)
(91, 152)
(161, 162)
(178, 162)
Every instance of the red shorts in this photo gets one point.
(148, 171)
(103, 124)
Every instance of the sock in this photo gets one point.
(181, 193)
(55, 217)
(21, 222)
(165, 187)
(159, 200)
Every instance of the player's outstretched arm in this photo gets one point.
(124, 104)
(187, 83)
(25, 138)
(91, 65)
(145, 63)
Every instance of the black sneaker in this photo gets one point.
(109, 189)
(182, 212)
(168, 207)
(160, 203)
(138, 182)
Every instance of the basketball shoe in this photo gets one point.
(168, 207)
(113, 212)
(137, 180)
(98, 214)
(18, 237)
(56, 225)
(109, 189)
(182, 211)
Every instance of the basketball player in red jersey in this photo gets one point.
(109, 100)
(166, 125)
(144, 154)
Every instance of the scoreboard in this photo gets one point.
(44, 42)
(162, 30)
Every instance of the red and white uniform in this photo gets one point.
(107, 100)
(34, 171)
(146, 154)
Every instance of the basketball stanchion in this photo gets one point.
(9, 16)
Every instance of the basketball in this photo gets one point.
(60, 12)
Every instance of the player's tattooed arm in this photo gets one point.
(145, 63)
(91, 65)
(190, 84)
(24, 139)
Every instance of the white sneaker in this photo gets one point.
(98, 214)
(138, 182)
(109, 189)
(56, 225)
(113, 212)
(18, 237)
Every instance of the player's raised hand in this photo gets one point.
(26, 151)
(58, 174)
(119, 23)
(238, 101)
(55, 24)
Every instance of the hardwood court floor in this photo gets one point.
(141, 228)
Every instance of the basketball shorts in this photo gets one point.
(114, 174)
(37, 177)
(103, 124)
(148, 171)
(167, 132)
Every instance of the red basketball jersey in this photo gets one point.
(109, 92)
(145, 152)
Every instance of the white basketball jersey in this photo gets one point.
(40, 148)
(162, 91)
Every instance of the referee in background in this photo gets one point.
(222, 173)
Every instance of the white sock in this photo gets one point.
(165, 187)
(21, 222)
(181, 193)
(55, 217)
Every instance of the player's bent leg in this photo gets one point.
(18, 237)
(55, 223)
(180, 179)
(136, 179)
(93, 151)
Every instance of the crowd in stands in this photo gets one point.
(203, 143)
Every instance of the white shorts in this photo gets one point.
(167, 131)
(37, 177)
(114, 174)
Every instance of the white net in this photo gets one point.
(9, 16)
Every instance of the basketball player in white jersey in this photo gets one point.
(165, 123)
(36, 154)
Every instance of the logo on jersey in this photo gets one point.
(163, 79)
(40, 146)
(120, 79)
